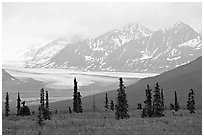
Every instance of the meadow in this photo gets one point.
(104, 123)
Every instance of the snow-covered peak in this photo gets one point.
(58, 42)
(135, 28)
(179, 26)
(51, 49)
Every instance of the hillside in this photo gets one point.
(9, 80)
(13, 85)
(180, 79)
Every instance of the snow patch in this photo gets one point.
(182, 64)
(192, 43)
(117, 42)
(145, 56)
(170, 59)
(88, 58)
(173, 52)
(157, 56)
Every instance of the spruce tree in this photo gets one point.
(47, 111)
(79, 103)
(75, 97)
(112, 105)
(121, 106)
(162, 100)
(106, 102)
(144, 113)
(24, 110)
(47, 100)
(157, 103)
(176, 104)
(40, 116)
(139, 106)
(189, 101)
(7, 110)
(191, 104)
(44, 104)
(18, 103)
(42, 99)
(70, 110)
(148, 103)
(171, 106)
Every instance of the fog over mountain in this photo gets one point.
(132, 48)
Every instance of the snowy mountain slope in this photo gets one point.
(9, 81)
(6, 76)
(133, 48)
(30, 51)
(44, 54)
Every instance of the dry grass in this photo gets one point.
(100, 123)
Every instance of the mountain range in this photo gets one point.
(132, 48)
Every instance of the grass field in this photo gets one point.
(100, 123)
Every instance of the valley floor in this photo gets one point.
(100, 123)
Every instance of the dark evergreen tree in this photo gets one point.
(106, 102)
(44, 107)
(162, 100)
(23, 103)
(191, 102)
(18, 103)
(42, 99)
(40, 116)
(7, 109)
(56, 111)
(139, 106)
(122, 105)
(147, 109)
(157, 103)
(47, 101)
(112, 105)
(171, 106)
(144, 113)
(176, 104)
(75, 97)
(70, 111)
(79, 103)
(24, 110)
(46, 112)
(33, 112)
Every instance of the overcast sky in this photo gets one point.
(26, 24)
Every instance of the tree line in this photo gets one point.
(154, 105)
